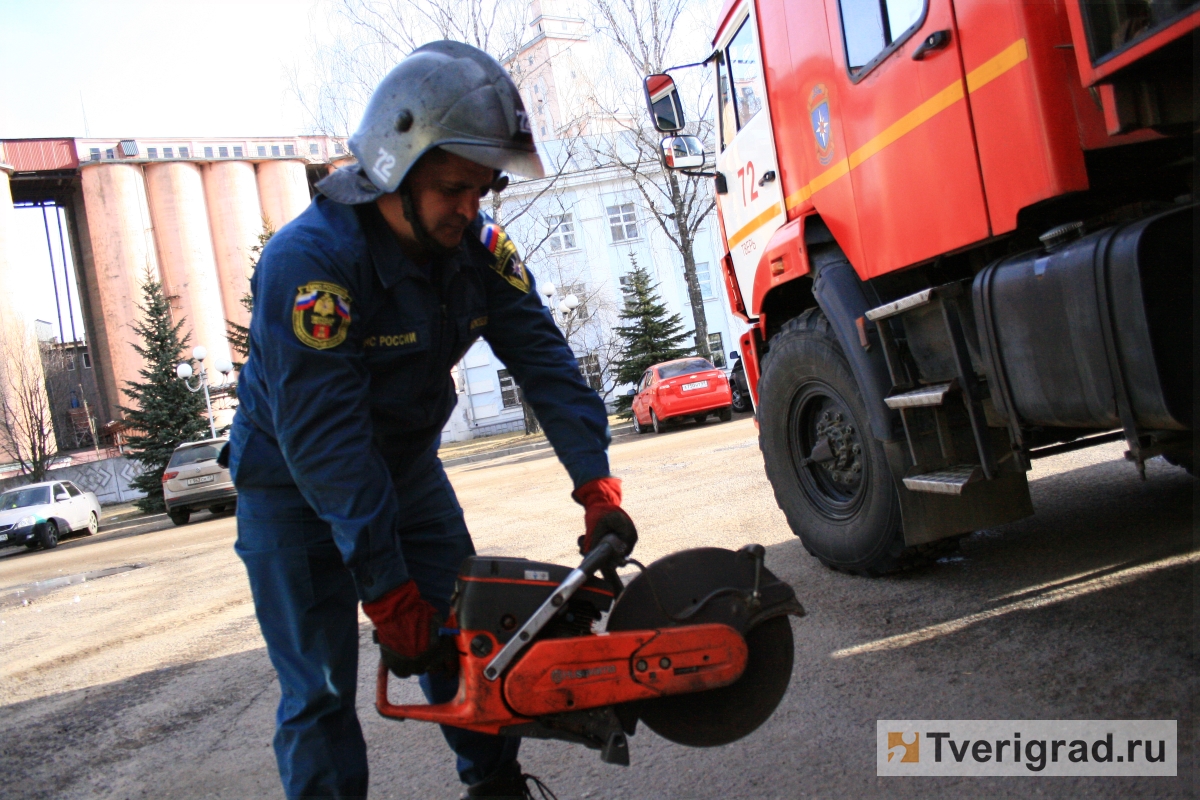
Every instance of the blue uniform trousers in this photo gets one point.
(307, 608)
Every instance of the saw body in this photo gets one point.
(533, 662)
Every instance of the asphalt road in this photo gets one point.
(153, 681)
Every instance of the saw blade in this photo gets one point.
(707, 585)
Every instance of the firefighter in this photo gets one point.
(362, 305)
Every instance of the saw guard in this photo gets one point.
(578, 673)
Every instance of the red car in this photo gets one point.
(673, 390)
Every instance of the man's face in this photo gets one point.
(446, 190)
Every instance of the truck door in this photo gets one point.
(752, 208)
(908, 131)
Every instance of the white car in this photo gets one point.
(39, 514)
(193, 480)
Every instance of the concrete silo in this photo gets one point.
(282, 190)
(185, 247)
(236, 219)
(122, 246)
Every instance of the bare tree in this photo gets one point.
(26, 421)
(643, 33)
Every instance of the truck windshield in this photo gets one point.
(23, 498)
(677, 368)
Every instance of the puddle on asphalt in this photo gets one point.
(24, 594)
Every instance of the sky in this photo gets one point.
(143, 68)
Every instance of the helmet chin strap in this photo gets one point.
(423, 236)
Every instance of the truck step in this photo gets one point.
(899, 306)
(951, 480)
(925, 396)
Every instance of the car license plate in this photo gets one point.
(697, 385)
(201, 479)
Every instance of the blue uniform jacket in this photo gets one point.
(348, 379)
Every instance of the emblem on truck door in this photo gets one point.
(822, 124)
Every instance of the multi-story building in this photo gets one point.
(581, 228)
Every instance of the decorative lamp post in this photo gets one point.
(184, 371)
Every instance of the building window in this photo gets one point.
(589, 368)
(716, 348)
(869, 26)
(262, 149)
(87, 360)
(313, 149)
(183, 152)
(70, 362)
(704, 278)
(580, 291)
(337, 148)
(223, 152)
(151, 152)
(237, 151)
(289, 150)
(622, 221)
(510, 393)
(562, 232)
(208, 152)
(110, 153)
(95, 153)
(274, 149)
(168, 152)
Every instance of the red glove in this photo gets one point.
(406, 629)
(602, 514)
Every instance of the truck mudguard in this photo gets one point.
(842, 297)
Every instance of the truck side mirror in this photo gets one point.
(631, 393)
(682, 152)
(734, 354)
(662, 98)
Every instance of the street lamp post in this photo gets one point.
(184, 371)
(566, 306)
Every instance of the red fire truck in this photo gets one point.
(961, 233)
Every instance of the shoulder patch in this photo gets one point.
(321, 314)
(505, 261)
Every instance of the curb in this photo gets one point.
(523, 448)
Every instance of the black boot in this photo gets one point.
(510, 783)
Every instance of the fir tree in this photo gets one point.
(165, 412)
(649, 336)
(239, 335)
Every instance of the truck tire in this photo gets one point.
(845, 509)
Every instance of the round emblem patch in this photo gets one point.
(321, 314)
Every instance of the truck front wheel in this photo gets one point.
(830, 475)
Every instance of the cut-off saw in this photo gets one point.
(697, 646)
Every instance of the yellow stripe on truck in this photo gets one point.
(985, 73)
(754, 224)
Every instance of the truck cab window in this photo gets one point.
(872, 26)
(744, 73)
(725, 102)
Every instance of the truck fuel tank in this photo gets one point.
(1068, 330)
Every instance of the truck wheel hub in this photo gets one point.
(845, 468)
